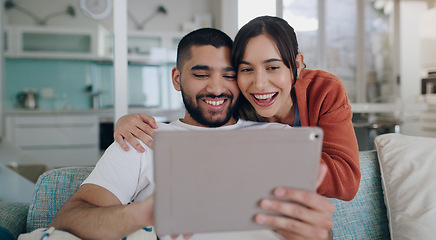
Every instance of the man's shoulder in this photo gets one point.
(173, 126)
(261, 125)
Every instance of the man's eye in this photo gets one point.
(230, 77)
(201, 75)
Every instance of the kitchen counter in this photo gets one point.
(105, 115)
(14, 187)
(387, 107)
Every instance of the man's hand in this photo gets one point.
(134, 126)
(304, 215)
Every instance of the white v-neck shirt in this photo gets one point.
(129, 174)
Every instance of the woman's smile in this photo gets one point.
(264, 99)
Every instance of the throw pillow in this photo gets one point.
(408, 171)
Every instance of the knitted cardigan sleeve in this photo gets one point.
(323, 102)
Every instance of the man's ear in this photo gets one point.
(300, 63)
(175, 74)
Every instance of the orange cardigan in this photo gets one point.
(322, 101)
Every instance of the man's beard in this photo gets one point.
(198, 114)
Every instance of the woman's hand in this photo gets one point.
(134, 126)
(303, 214)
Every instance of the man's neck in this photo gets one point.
(189, 120)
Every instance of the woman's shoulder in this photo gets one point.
(319, 76)
(316, 80)
(318, 85)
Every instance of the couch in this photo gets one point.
(364, 217)
(396, 198)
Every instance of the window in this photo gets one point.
(351, 39)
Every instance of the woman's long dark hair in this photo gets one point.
(286, 41)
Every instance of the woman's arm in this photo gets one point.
(133, 126)
(323, 102)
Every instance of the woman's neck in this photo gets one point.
(287, 117)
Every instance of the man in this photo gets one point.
(116, 199)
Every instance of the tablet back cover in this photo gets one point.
(208, 181)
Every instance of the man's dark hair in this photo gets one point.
(201, 37)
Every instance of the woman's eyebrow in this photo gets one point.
(273, 60)
(266, 61)
(200, 67)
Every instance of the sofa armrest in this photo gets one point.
(13, 217)
(365, 216)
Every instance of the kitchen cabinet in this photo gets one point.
(63, 43)
(56, 140)
(153, 47)
(88, 44)
(7, 40)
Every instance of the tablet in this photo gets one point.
(209, 181)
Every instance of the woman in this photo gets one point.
(277, 88)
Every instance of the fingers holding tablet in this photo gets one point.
(301, 214)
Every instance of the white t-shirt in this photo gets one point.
(129, 175)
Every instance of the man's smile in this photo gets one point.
(214, 102)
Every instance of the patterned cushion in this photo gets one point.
(52, 190)
(365, 216)
(12, 218)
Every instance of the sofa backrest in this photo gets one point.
(52, 190)
(365, 216)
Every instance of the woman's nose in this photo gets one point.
(260, 80)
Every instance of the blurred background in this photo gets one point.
(58, 81)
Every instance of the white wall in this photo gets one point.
(410, 62)
(178, 12)
(428, 39)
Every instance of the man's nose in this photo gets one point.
(216, 85)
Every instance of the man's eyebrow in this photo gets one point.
(200, 67)
(229, 69)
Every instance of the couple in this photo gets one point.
(112, 203)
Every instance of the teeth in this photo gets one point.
(215, 103)
(263, 96)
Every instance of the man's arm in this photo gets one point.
(95, 213)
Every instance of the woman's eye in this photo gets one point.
(273, 68)
(246, 69)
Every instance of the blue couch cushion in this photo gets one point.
(5, 234)
(365, 216)
(52, 190)
(12, 219)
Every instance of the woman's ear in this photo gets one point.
(175, 74)
(300, 63)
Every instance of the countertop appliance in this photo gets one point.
(27, 99)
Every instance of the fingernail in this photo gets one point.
(266, 203)
(280, 192)
(260, 218)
